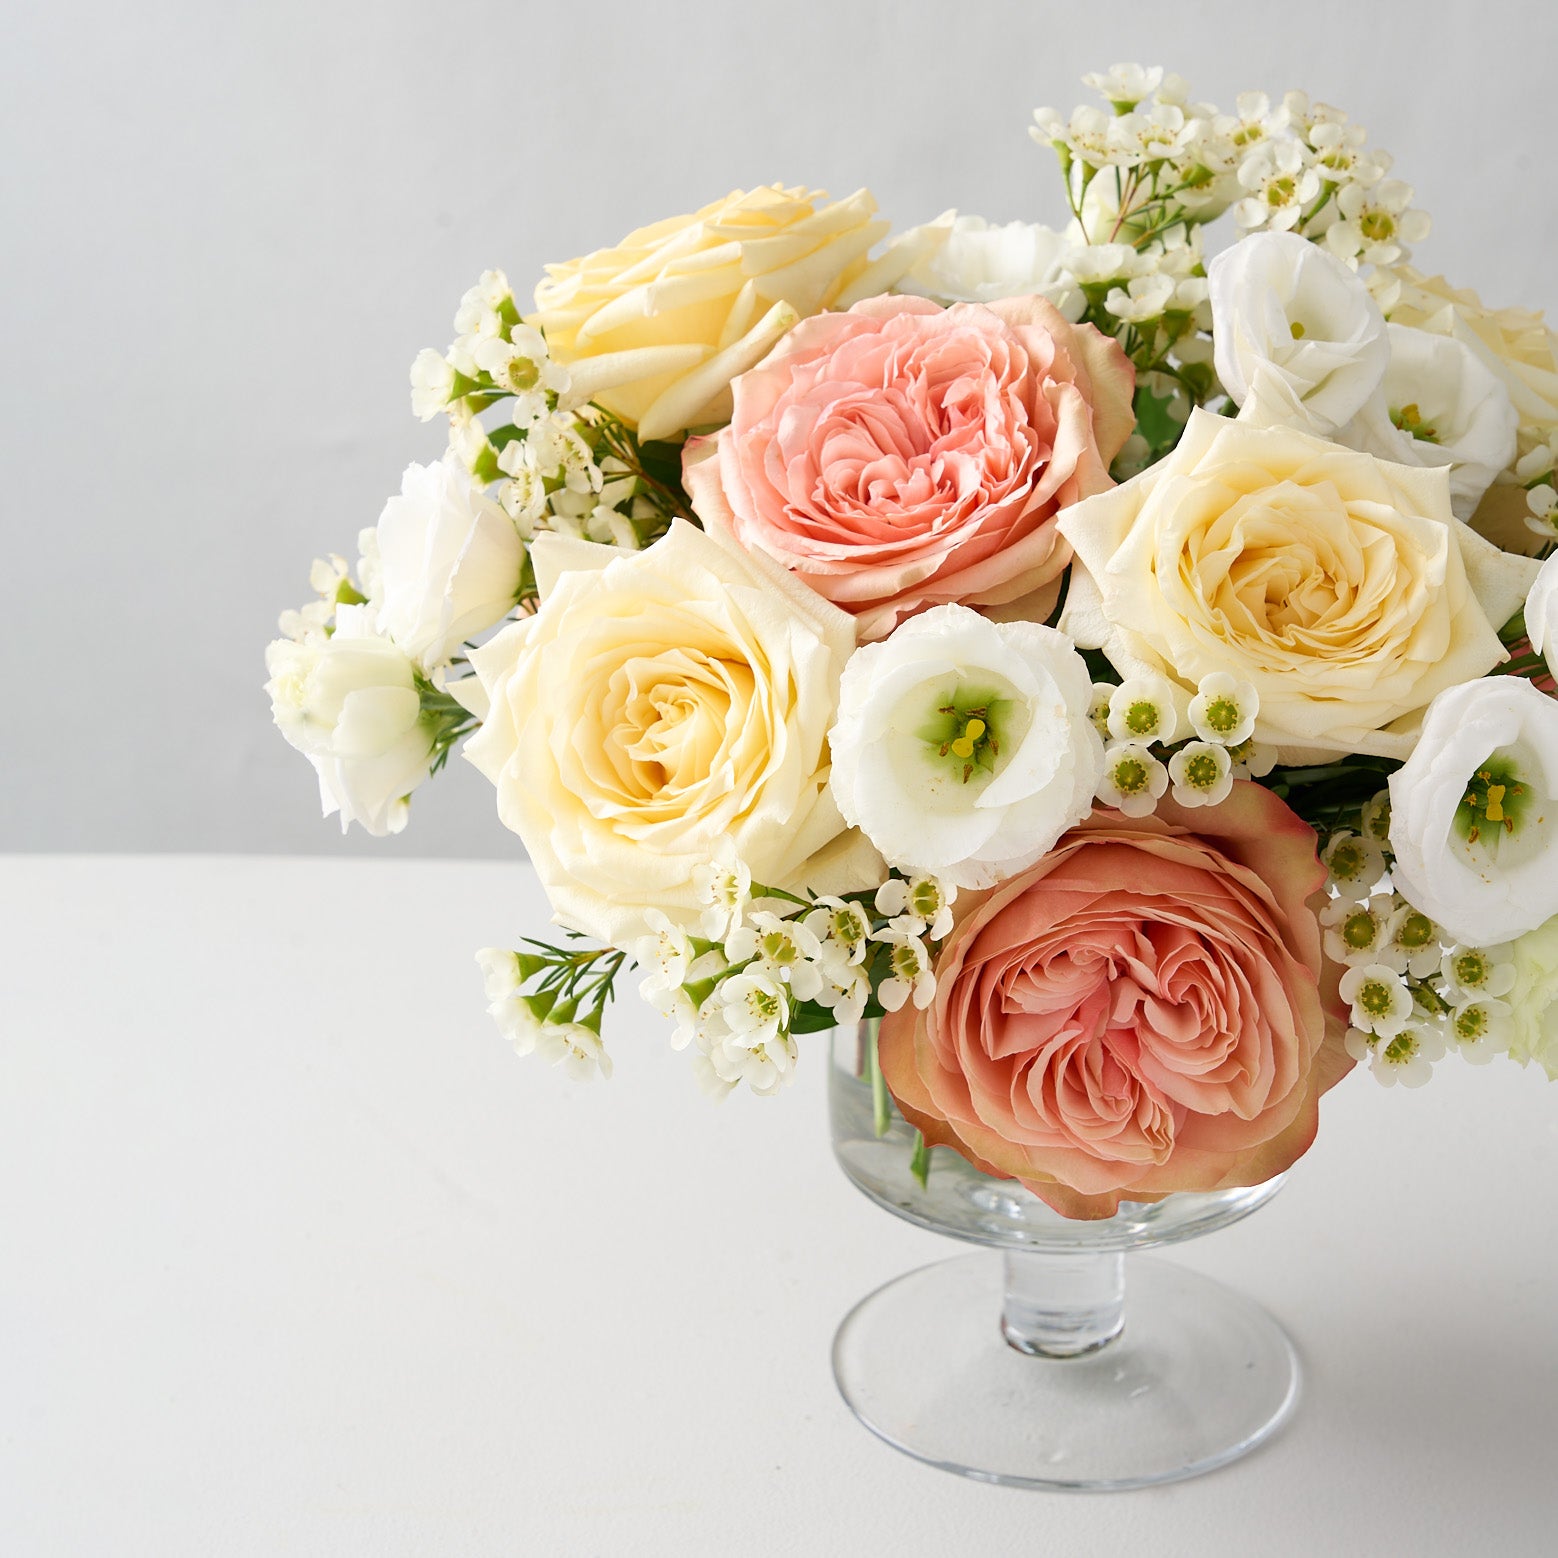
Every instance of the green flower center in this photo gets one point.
(1130, 776)
(1375, 997)
(778, 948)
(1497, 797)
(1142, 717)
(906, 963)
(523, 374)
(1471, 1023)
(1222, 715)
(1347, 861)
(1377, 226)
(1202, 772)
(966, 732)
(1401, 1048)
(1410, 420)
(925, 900)
(1280, 191)
(1358, 930)
(764, 1005)
(1415, 932)
(1471, 970)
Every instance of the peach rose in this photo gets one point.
(901, 455)
(1141, 1012)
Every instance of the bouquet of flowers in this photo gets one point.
(1113, 665)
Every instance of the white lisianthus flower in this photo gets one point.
(1472, 815)
(450, 562)
(1542, 612)
(1380, 1000)
(1439, 405)
(1132, 779)
(350, 704)
(432, 384)
(1202, 773)
(965, 259)
(1282, 305)
(962, 746)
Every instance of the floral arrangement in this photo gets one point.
(1112, 660)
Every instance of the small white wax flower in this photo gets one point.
(842, 929)
(1144, 298)
(1379, 997)
(1133, 779)
(1252, 759)
(744, 1032)
(1475, 973)
(1354, 864)
(1412, 940)
(1202, 773)
(845, 991)
(723, 886)
(1481, 1029)
(1124, 86)
(432, 384)
(1144, 709)
(665, 953)
(1374, 822)
(1355, 933)
(478, 310)
(574, 1047)
(1542, 501)
(1472, 815)
(1098, 709)
(1224, 709)
(784, 949)
(920, 905)
(911, 976)
(1279, 184)
(1405, 1057)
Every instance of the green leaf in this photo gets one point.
(1154, 423)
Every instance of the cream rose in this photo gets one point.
(1339, 586)
(658, 704)
(655, 328)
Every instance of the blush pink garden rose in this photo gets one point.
(1143, 1011)
(901, 455)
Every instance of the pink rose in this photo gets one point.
(902, 455)
(1143, 1011)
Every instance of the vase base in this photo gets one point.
(1199, 1376)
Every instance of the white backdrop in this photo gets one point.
(228, 229)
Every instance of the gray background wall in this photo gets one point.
(228, 228)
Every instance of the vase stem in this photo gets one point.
(1062, 1306)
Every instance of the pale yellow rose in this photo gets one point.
(1339, 585)
(655, 328)
(658, 704)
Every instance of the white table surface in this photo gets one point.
(297, 1257)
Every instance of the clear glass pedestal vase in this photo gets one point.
(1031, 1361)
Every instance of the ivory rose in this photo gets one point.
(902, 455)
(1143, 1011)
(660, 707)
(655, 328)
(1339, 586)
